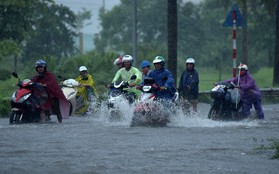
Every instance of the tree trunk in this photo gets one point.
(276, 53)
(172, 37)
(15, 63)
(244, 34)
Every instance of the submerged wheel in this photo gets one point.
(214, 112)
(115, 115)
(15, 118)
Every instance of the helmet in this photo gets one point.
(82, 68)
(159, 59)
(118, 61)
(127, 58)
(41, 63)
(243, 66)
(190, 60)
(145, 63)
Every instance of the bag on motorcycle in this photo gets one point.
(235, 96)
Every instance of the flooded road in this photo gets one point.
(91, 144)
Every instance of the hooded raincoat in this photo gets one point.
(249, 93)
(55, 94)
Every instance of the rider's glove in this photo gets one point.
(155, 86)
(139, 87)
(231, 85)
(163, 88)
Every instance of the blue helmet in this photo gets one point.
(145, 63)
(41, 63)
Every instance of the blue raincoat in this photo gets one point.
(163, 77)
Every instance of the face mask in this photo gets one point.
(242, 73)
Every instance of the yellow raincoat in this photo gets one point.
(82, 90)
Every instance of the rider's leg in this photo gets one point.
(258, 107)
(247, 105)
(43, 116)
(194, 103)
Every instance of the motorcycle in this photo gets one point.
(78, 104)
(120, 92)
(26, 101)
(226, 103)
(148, 110)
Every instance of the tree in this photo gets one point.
(38, 28)
(53, 32)
(172, 37)
(9, 48)
(244, 34)
(15, 19)
(276, 52)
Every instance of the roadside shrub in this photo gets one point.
(5, 74)
(5, 107)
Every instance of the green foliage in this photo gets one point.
(5, 107)
(81, 17)
(38, 28)
(15, 18)
(9, 48)
(274, 145)
(100, 66)
(200, 32)
(4, 74)
(52, 33)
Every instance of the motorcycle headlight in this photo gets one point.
(23, 98)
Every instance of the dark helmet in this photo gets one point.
(41, 63)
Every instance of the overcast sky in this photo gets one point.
(93, 6)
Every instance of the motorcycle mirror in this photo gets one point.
(133, 77)
(15, 74)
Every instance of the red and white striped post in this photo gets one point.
(234, 19)
(234, 43)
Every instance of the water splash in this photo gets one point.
(177, 117)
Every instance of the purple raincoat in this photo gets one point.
(249, 93)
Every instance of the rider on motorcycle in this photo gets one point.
(126, 73)
(86, 86)
(56, 101)
(145, 68)
(163, 78)
(249, 92)
(118, 62)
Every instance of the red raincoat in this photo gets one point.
(54, 92)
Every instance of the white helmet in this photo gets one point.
(82, 68)
(117, 61)
(190, 60)
(127, 58)
(243, 66)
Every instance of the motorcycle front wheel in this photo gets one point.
(16, 117)
(214, 112)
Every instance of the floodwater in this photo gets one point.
(92, 144)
